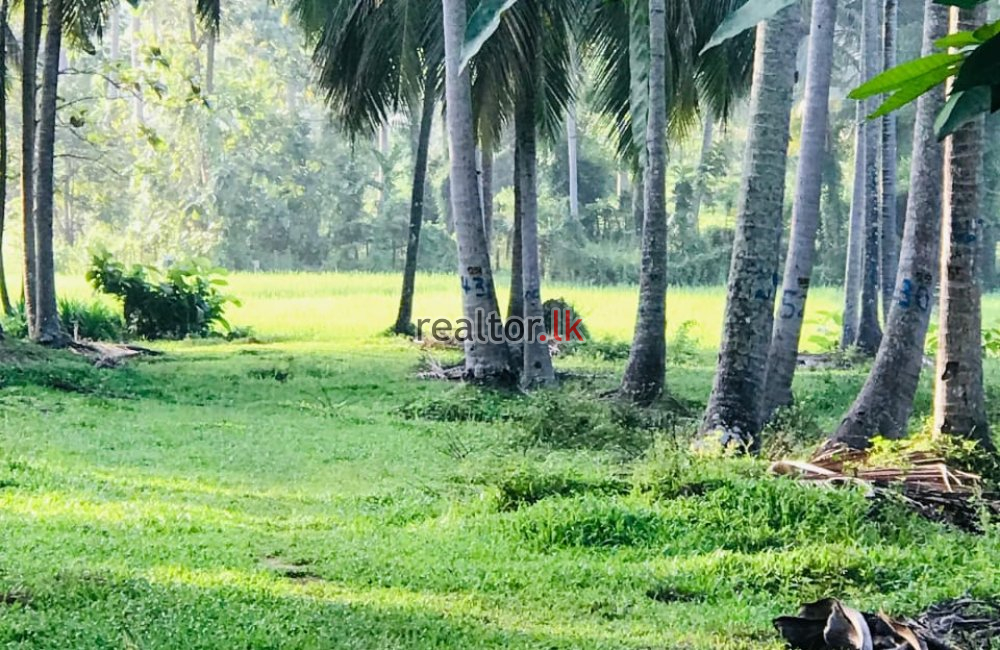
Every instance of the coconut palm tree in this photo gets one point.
(375, 59)
(885, 402)
(7, 46)
(959, 400)
(855, 237)
(29, 63)
(645, 372)
(869, 333)
(734, 408)
(79, 20)
(47, 327)
(619, 32)
(542, 93)
(889, 168)
(783, 356)
(484, 359)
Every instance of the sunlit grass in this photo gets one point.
(349, 307)
(352, 306)
(275, 494)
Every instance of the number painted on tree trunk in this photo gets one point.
(788, 305)
(477, 284)
(914, 294)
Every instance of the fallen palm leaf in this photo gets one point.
(826, 623)
(926, 484)
(829, 624)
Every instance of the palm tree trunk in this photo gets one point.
(869, 333)
(515, 303)
(787, 333)
(573, 153)
(885, 402)
(890, 245)
(639, 69)
(29, 89)
(959, 400)
(48, 328)
(991, 203)
(855, 238)
(707, 133)
(404, 318)
(486, 188)
(638, 202)
(5, 303)
(537, 369)
(484, 359)
(734, 408)
(645, 373)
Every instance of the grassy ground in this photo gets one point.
(308, 492)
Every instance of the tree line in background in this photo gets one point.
(169, 147)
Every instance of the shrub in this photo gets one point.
(683, 347)
(94, 321)
(562, 306)
(606, 349)
(183, 300)
(15, 325)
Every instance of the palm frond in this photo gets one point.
(720, 77)
(372, 56)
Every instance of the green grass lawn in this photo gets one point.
(307, 491)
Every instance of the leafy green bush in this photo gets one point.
(15, 325)
(562, 306)
(605, 349)
(94, 320)
(183, 300)
(683, 347)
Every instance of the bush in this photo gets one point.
(94, 321)
(183, 300)
(606, 349)
(15, 325)
(562, 307)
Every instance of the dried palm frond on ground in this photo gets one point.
(828, 624)
(110, 355)
(923, 482)
(434, 369)
(966, 622)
